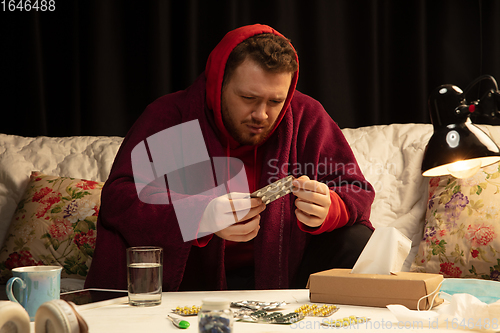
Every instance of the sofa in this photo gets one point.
(50, 188)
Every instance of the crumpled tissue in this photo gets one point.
(385, 252)
(464, 311)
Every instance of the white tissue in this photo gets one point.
(385, 252)
(469, 309)
(403, 314)
(463, 312)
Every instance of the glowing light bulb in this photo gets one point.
(464, 169)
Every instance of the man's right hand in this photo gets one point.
(242, 231)
(233, 216)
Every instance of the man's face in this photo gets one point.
(252, 101)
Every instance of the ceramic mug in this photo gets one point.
(35, 286)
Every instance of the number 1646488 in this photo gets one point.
(28, 5)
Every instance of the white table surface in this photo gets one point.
(118, 316)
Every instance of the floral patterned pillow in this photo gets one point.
(462, 227)
(54, 224)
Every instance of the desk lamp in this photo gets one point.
(458, 147)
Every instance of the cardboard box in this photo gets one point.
(339, 286)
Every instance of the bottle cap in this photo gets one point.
(214, 303)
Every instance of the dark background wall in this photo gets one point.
(90, 67)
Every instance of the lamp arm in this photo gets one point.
(489, 104)
(479, 79)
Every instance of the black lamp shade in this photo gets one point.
(455, 137)
(457, 143)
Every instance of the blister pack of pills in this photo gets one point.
(315, 310)
(274, 190)
(187, 310)
(343, 322)
(264, 317)
(256, 305)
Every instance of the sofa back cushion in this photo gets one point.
(390, 157)
(54, 224)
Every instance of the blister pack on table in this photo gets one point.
(187, 310)
(265, 317)
(344, 322)
(257, 305)
(315, 310)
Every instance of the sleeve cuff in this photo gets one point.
(203, 241)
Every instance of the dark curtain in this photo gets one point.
(90, 67)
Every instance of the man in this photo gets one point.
(247, 109)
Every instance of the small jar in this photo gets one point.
(215, 316)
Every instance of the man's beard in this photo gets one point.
(251, 138)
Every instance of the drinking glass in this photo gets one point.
(144, 275)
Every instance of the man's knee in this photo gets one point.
(337, 249)
(354, 238)
(345, 244)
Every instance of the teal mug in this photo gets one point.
(35, 286)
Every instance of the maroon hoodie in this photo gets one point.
(305, 140)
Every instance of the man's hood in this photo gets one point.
(214, 72)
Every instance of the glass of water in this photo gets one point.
(144, 275)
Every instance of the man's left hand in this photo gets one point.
(313, 201)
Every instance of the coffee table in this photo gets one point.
(117, 316)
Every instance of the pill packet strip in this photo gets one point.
(344, 322)
(187, 311)
(264, 317)
(256, 305)
(274, 190)
(252, 306)
(315, 310)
